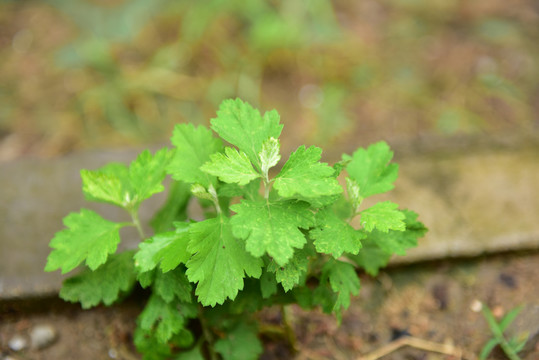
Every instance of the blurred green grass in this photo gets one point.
(85, 74)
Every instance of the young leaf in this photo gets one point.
(343, 280)
(105, 284)
(335, 236)
(109, 184)
(166, 319)
(371, 170)
(272, 227)
(147, 173)
(293, 272)
(169, 249)
(220, 261)
(88, 237)
(193, 148)
(173, 285)
(352, 189)
(233, 167)
(305, 175)
(126, 187)
(383, 216)
(269, 155)
(241, 343)
(396, 241)
(240, 124)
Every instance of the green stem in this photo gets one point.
(206, 332)
(289, 332)
(136, 222)
(508, 350)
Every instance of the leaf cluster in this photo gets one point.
(268, 237)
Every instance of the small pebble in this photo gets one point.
(42, 336)
(18, 343)
(476, 306)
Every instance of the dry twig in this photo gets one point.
(415, 343)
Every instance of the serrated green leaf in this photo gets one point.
(371, 257)
(146, 278)
(305, 175)
(371, 170)
(147, 173)
(109, 184)
(126, 187)
(397, 242)
(166, 319)
(272, 228)
(334, 236)
(168, 249)
(269, 155)
(241, 125)
(241, 343)
(88, 237)
(343, 280)
(231, 167)
(383, 216)
(172, 285)
(220, 261)
(193, 148)
(104, 285)
(293, 272)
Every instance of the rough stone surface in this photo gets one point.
(472, 201)
(34, 197)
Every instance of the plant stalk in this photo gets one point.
(206, 332)
(136, 222)
(289, 332)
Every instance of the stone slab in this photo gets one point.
(35, 195)
(473, 201)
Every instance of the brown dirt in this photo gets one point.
(430, 301)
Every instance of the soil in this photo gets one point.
(435, 302)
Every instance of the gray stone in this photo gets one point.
(18, 343)
(473, 201)
(42, 336)
(35, 195)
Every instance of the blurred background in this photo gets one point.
(86, 74)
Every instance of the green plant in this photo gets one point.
(267, 239)
(510, 347)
